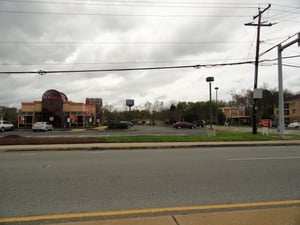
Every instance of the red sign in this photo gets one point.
(52, 97)
(265, 123)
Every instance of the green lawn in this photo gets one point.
(220, 136)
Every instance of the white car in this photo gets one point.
(5, 125)
(42, 126)
(294, 125)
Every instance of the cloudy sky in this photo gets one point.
(68, 35)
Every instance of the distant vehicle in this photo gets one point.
(294, 125)
(42, 126)
(129, 123)
(6, 125)
(182, 124)
(200, 123)
(273, 123)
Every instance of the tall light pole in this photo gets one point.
(216, 88)
(209, 80)
(280, 48)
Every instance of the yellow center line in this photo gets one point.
(148, 211)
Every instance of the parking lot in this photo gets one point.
(101, 131)
(135, 130)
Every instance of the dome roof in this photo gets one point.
(54, 94)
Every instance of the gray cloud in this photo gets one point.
(30, 42)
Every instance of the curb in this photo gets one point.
(148, 145)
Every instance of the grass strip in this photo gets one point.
(220, 136)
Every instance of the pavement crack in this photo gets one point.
(175, 220)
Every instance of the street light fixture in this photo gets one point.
(209, 80)
(216, 88)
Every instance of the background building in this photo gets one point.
(99, 108)
(236, 116)
(58, 110)
(291, 109)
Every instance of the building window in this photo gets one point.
(286, 105)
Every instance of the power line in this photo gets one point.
(290, 65)
(140, 4)
(284, 13)
(135, 62)
(263, 53)
(138, 62)
(120, 42)
(197, 66)
(117, 15)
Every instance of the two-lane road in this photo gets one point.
(43, 183)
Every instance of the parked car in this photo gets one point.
(117, 124)
(6, 125)
(294, 125)
(182, 124)
(129, 123)
(42, 126)
(200, 123)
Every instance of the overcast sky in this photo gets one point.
(68, 35)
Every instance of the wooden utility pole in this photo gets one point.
(258, 25)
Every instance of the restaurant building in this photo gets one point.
(62, 113)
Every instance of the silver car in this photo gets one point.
(42, 126)
(294, 125)
(5, 125)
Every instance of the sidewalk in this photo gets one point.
(252, 213)
(275, 216)
(143, 145)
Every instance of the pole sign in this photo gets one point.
(265, 123)
(129, 102)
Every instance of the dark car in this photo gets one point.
(200, 123)
(183, 124)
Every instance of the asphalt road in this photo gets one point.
(43, 183)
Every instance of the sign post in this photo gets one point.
(265, 124)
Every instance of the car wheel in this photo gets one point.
(2, 129)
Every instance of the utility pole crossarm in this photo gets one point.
(261, 12)
(262, 24)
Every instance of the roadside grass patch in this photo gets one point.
(220, 136)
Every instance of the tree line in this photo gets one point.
(151, 113)
(193, 111)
